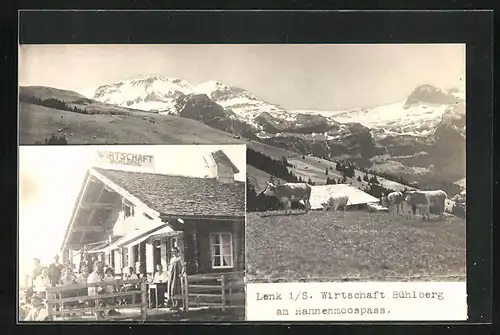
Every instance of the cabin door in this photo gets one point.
(156, 253)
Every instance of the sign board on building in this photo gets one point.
(124, 158)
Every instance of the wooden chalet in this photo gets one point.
(134, 219)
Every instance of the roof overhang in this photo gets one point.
(172, 217)
(140, 206)
(109, 185)
(134, 237)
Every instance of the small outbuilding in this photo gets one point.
(357, 198)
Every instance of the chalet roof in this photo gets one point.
(321, 193)
(220, 156)
(181, 196)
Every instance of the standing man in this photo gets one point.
(55, 270)
(85, 262)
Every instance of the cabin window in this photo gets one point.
(221, 245)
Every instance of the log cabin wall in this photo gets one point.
(198, 248)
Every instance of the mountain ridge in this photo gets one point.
(423, 137)
(421, 111)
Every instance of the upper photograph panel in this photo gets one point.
(281, 94)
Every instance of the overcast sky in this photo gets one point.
(317, 77)
(51, 177)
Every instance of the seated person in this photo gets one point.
(37, 311)
(128, 287)
(68, 278)
(110, 277)
(94, 278)
(131, 275)
(160, 277)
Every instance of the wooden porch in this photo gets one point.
(204, 297)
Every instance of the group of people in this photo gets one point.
(35, 285)
(94, 271)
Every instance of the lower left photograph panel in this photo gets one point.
(131, 233)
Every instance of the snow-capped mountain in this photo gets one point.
(243, 103)
(418, 115)
(415, 132)
(149, 94)
(160, 94)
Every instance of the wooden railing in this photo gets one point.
(54, 299)
(215, 291)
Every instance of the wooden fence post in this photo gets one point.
(184, 290)
(223, 287)
(98, 314)
(144, 308)
(50, 308)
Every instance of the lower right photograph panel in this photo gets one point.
(358, 247)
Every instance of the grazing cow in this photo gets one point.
(334, 202)
(393, 199)
(424, 200)
(289, 192)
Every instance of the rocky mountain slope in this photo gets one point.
(422, 136)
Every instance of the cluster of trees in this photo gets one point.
(52, 103)
(372, 180)
(346, 169)
(332, 181)
(376, 190)
(54, 139)
(387, 176)
(310, 182)
(276, 168)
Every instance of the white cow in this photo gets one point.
(289, 192)
(334, 202)
(393, 199)
(424, 200)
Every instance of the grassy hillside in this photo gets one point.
(355, 245)
(314, 167)
(37, 123)
(44, 92)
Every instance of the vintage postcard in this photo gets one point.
(353, 173)
(134, 233)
